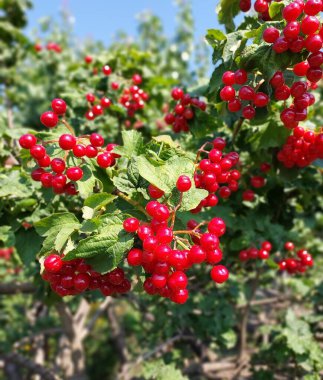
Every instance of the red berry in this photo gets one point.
(105, 102)
(53, 263)
(91, 151)
(234, 105)
(266, 245)
(292, 11)
(261, 99)
(227, 93)
(137, 79)
(183, 183)
(313, 7)
(177, 280)
(105, 160)
(248, 196)
(261, 6)
(248, 112)
(58, 165)
(313, 43)
(88, 59)
(82, 281)
(228, 78)
(134, 257)
(245, 5)
(44, 162)
(27, 141)
(310, 24)
(96, 139)
(289, 246)
(240, 76)
(164, 235)
(314, 74)
(177, 93)
(154, 192)
(74, 173)
(219, 274)
(97, 110)
(37, 173)
(280, 45)
(90, 97)
(217, 227)
(131, 224)
(106, 70)
(246, 93)
(300, 69)
(209, 241)
(270, 35)
(282, 92)
(263, 254)
(179, 296)
(257, 182)
(277, 80)
(79, 150)
(37, 152)
(49, 119)
(67, 141)
(292, 29)
(59, 106)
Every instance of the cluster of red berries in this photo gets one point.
(245, 94)
(76, 276)
(133, 98)
(5, 253)
(165, 265)
(302, 148)
(53, 46)
(183, 110)
(216, 174)
(302, 99)
(260, 6)
(90, 146)
(311, 68)
(306, 33)
(295, 265)
(253, 253)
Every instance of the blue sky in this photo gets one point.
(100, 19)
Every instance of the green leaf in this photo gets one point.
(112, 242)
(227, 10)
(130, 181)
(133, 144)
(57, 229)
(7, 236)
(165, 175)
(99, 200)
(28, 244)
(86, 184)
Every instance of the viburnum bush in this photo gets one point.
(125, 178)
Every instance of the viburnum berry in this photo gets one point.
(134, 257)
(27, 141)
(248, 195)
(106, 70)
(53, 263)
(90, 115)
(88, 59)
(301, 68)
(313, 7)
(67, 141)
(91, 151)
(257, 182)
(131, 224)
(227, 93)
(228, 78)
(266, 245)
(313, 43)
(49, 119)
(292, 29)
(270, 35)
(97, 110)
(96, 139)
(183, 183)
(261, 99)
(289, 246)
(105, 160)
(219, 274)
(180, 296)
(37, 152)
(58, 165)
(177, 93)
(114, 85)
(105, 102)
(74, 173)
(234, 105)
(245, 5)
(292, 11)
(154, 192)
(44, 162)
(240, 76)
(280, 45)
(137, 79)
(248, 112)
(217, 227)
(79, 150)
(59, 106)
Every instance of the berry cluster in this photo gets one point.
(216, 174)
(53, 46)
(260, 6)
(302, 30)
(157, 252)
(302, 148)
(133, 98)
(183, 111)
(89, 146)
(301, 99)
(246, 97)
(295, 265)
(5, 253)
(76, 276)
(253, 253)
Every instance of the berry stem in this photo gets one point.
(131, 201)
(68, 126)
(186, 232)
(176, 209)
(179, 241)
(236, 130)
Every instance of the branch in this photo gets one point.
(237, 129)
(21, 360)
(100, 310)
(131, 201)
(17, 287)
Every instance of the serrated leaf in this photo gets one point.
(28, 244)
(112, 242)
(165, 175)
(99, 200)
(7, 237)
(57, 228)
(227, 10)
(133, 144)
(86, 184)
